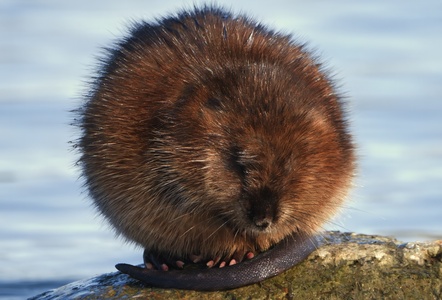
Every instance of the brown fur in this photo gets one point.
(209, 134)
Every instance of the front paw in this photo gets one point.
(155, 261)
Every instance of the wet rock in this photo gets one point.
(345, 266)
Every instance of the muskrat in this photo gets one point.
(207, 135)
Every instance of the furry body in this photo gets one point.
(206, 133)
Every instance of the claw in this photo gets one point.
(179, 264)
(213, 262)
(195, 258)
(148, 266)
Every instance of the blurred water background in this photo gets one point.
(386, 55)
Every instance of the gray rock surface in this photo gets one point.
(345, 266)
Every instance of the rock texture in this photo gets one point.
(345, 266)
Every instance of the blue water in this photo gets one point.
(385, 54)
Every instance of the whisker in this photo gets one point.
(187, 231)
(216, 230)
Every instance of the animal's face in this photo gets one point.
(267, 155)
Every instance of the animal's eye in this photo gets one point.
(235, 162)
(214, 103)
(240, 169)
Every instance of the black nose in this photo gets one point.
(262, 207)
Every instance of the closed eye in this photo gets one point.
(235, 162)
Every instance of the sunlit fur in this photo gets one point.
(202, 126)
